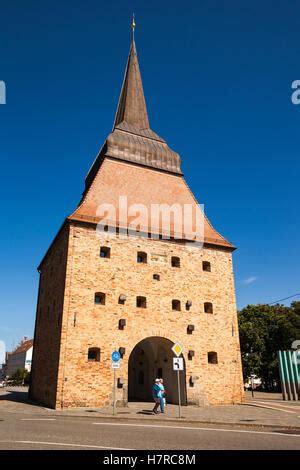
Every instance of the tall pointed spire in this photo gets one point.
(132, 106)
(132, 139)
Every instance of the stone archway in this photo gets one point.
(152, 357)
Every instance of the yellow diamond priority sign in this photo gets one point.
(177, 349)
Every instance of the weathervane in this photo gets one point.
(133, 25)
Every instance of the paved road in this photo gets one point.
(36, 431)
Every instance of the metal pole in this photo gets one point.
(252, 387)
(282, 378)
(287, 376)
(179, 398)
(297, 365)
(291, 370)
(296, 359)
(114, 394)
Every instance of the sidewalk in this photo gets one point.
(252, 413)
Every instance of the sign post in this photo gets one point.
(178, 366)
(115, 365)
(252, 385)
(179, 397)
(114, 394)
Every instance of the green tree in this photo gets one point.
(20, 376)
(264, 330)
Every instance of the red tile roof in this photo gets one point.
(141, 186)
(24, 346)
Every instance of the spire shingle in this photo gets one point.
(132, 106)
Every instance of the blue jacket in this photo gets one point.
(156, 391)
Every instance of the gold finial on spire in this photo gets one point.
(133, 25)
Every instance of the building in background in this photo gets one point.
(20, 358)
(137, 294)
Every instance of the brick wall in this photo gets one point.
(84, 324)
(49, 314)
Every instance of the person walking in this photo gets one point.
(156, 393)
(163, 391)
(161, 396)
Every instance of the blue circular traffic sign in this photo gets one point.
(116, 356)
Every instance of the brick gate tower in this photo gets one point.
(114, 280)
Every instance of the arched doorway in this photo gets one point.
(152, 357)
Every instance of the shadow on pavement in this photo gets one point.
(145, 412)
(18, 396)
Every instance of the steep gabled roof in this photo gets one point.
(141, 186)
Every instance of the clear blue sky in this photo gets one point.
(217, 77)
